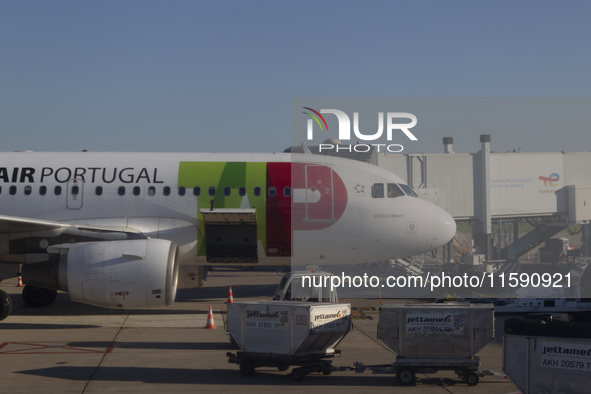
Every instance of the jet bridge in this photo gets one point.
(496, 191)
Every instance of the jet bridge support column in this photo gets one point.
(586, 238)
(483, 231)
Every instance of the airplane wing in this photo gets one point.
(24, 240)
(17, 225)
(21, 225)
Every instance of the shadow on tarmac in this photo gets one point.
(219, 377)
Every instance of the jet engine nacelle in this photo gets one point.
(129, 274)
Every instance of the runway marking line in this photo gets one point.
(56, 347)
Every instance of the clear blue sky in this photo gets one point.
(220, 75)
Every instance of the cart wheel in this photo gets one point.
(282, 367)
(472, 379)
(297, 374)
(406, 376)
(247, 368)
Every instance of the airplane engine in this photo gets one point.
(129, 274)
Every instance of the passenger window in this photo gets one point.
(272, 191)
(394, 191)
(227, 191)
(98, 191)
(377, 190)
(0, 189)
(212, 191)
(242, 191)
(196, 191)
(408, 190)
(43, 190)
(121, 190)
(12, 190)
(257, 191)
(136, 190)
(182, 191)
(151, 191)
(287, 191)
(166, 190)
(75, 190)
(28, 190)
(57, 191)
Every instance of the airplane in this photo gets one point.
(124, 230)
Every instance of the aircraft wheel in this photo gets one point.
(38, 297)
(5, 305)
(282, 367)
(406, 376)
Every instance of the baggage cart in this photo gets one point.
(428, 338)
(286, 333)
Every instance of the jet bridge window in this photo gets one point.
(408, 190)
(377, 190)
(394, 191)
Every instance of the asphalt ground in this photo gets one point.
(75, 348)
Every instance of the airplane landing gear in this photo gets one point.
(37, 297)
(5, 305)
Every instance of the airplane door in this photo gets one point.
(319, 194)
(74, 194)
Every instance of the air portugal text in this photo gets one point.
(84, 174)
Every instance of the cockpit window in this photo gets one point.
(377, 190)
(394, 191)
(408, 190)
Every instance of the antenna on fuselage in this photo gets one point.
(306, 149)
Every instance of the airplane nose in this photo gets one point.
(444, 227)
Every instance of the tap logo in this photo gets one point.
(551, 180)
(392, 121)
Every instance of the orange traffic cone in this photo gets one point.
(210, 323)
(20, 281)
(230, 296)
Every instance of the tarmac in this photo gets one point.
(75, 348)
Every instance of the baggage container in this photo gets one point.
(548, 364)
(550, 354)
(288, 328)
(436, 331)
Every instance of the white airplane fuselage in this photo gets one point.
(140, 191)
(70, 213)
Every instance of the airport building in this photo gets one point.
(509, 206)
